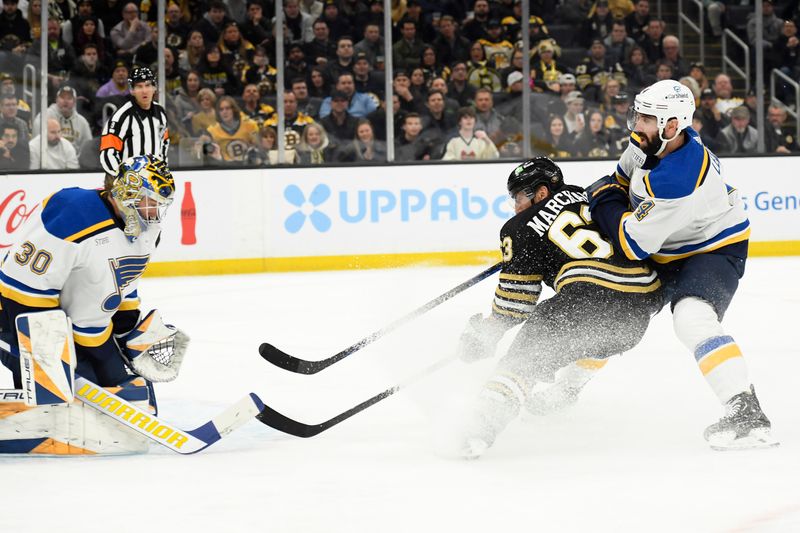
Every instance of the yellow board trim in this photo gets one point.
(362, 262)
(716, 358)
(315, 264)
(90, 229)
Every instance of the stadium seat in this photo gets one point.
(570, 57)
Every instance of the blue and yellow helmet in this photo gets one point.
(140, 177)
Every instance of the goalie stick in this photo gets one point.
(291, 363)
(178, 440)
(276, 420)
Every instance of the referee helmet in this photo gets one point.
(139, 74)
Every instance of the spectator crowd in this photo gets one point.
(457, 78)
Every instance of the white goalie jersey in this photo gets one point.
(681, 207)
(73, 254)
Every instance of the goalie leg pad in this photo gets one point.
(47, 357)
(63, 429)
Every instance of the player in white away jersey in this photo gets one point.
(667, 202)
(84, 252)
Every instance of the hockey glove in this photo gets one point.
(479, 339)
(607, 188)
(155, 350)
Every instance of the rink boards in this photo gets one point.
(294, 219)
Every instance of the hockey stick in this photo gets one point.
(291, 363)
(276, 420)
(152, 427)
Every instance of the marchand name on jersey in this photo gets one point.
(548, 213)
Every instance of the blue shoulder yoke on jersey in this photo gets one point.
(76, 214)
(680, 172)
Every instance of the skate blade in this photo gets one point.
(757, 439)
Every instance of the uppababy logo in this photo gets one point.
(307, 208)
(385, 205)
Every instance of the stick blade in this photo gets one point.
(288, 362)
(272, 418)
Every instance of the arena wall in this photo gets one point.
(294, 219)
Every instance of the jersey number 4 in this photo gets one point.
(568, 233)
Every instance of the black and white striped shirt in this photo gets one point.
(133, 131)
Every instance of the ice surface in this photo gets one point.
(629, 457)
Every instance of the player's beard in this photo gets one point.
(653, 143)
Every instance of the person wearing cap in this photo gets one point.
(574, 120)
(597, 26)
(712, 119)
(74, 127)
(738, 137)
(340, 125)
(118, 84)
(367, 81)
(359, 104)
(338, 23)
(475, 28)
(12, 22)
(545, 70)
(131, 32)
(496, 48)
(514, 82)
(137, 127)
(593, 72)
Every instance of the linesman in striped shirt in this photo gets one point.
(138, 127)
(602, 304)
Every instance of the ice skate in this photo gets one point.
(744, 425)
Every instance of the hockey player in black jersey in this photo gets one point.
(602, 303)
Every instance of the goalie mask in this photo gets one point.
(143, 190)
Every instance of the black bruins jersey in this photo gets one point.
(555, 242)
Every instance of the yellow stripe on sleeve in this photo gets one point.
(623, 241)
(90, 229)
(521, 277)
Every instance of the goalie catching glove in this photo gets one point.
(480, 337)
(155, 350)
